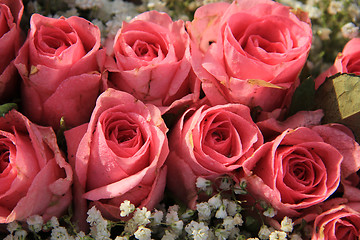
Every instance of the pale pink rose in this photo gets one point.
(150, 60)
(118, 156)
(295, 171)
(10, 40)
(35, 178)
(205, 26)
(209, 142)
(259, 50)
(348, 61)
(339, 222)
(59, 67)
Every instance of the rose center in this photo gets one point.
(4, 157)
(299, 172)
(50, 40)
(218, 138)
(145, 50)
(122, 135)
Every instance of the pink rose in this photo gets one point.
(209, 142)
(59, 67)
(119, 155)
(151, 55)
(35, 178)
(246, 63)
(295, 171)
(340, 222)
(10, 15)
(337, 135)
(346, 62)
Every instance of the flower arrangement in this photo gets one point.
(161, 119)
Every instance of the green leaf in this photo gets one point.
(5, 108)
(339, 97)
(303, 98)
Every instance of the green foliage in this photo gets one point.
(303, 98)
(338, 96)
(5, 108)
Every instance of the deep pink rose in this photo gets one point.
(151, 55)
(259, 49)
(348, 61)
(60, 71)
(119, 155)
(340, 222)
(295, 171)
(209, 142)
(10, 40)
(34, 176)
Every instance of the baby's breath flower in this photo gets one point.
(54, 222)
(172, 214)
(225, 183)
(142, 216)
(221, 212)
(199, 231)
(35, 223)
(228, 223)
(130, 226)
(354, 11)
(287, 224)
(143, 233)
(202, 183)
(93, 215)
(126, 237)
(158, 216)
(350, 30)
(169, 235)
(157, 5)
(215, 201)
(324, 33)
(100, 230)
(187, 214)
(314, 12)
(177, 226)
(235, 233)
(9, 237)
(98, 225)
(222, 234)
(264, 232)
(13, 226)
(240, 188)
(335, 7)
(277, 235)
(88, 4)
(231, 207)
(238, 219)
(204, 210)
(126, 208)
(80, 236)
(270, 212)
(20, 234)
(60, 233)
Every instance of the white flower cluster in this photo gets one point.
(98, 225)
(219, 217)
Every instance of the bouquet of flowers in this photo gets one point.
(179, 120)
